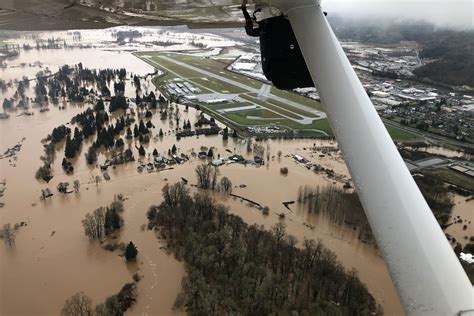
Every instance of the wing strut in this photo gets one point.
(428, 276)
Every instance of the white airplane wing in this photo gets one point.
(425, 270)
(83, 14)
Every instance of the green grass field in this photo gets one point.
(400, 135)
(215, 67)
(263, 114)
(217, 85)
(268, 105)
(453, 177)
(297, 98)
(286, 106)
(222, 106)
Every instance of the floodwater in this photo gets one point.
(436, 150)
(465, 210)
(52, 259)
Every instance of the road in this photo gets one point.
(428, 136)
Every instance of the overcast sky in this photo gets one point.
(453, 13)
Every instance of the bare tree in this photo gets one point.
(98, 180)
(214, 174)
(77, 185)
(94, 224)
(8, 235)
(203, 173)
(78, 305)
(226, 185)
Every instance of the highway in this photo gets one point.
(429, 136)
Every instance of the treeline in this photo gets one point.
(234, 268)
(116, 305)
(344, 208)
(57, 135)
(70, 82)
(438, 197)
(456, 68)
(341, 207)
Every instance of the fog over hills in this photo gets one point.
(456, 14)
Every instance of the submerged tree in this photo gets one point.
(78, 305)
(91, 156)
(207, 176)
(268, 273)
(8, 235)
(225, 185)
(94, 224)
(97, 180)
(77, 186)
(131, 252)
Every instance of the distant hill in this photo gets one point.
(454, 55)
(449, 53)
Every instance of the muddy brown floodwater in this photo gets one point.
(44, 268)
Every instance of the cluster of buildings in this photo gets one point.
(180, 88)
(464, 168)
(426, 108)
(417, 105)
(249, 65)
(270, 129)
(398, 60)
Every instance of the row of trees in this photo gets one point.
(234, 268)
(344, 208)
(341, 207)
(116, 305)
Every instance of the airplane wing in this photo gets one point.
(34, 15)
(425, 270)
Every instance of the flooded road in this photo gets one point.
(53, 259)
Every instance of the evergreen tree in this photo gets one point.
(91, 156)
(100, 105)
(119, 144)
(155, 152)
(174, 149)
(225, 134)
(69, 150)
(129, 134)
(141, 151)
(136, 132)
(113, 221)
(142, 128)
(131, 252)
(160, 133)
